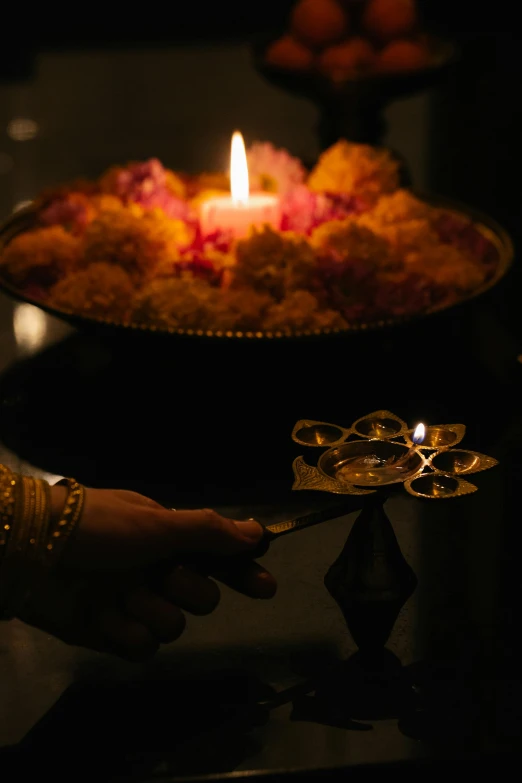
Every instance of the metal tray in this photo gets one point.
(25, 219)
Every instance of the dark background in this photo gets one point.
(118, 414)
(102, 24)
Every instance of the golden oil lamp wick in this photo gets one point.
(417, 439)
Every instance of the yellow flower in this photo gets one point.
(358, 169)
(351, 240)
(271, 262)
(42, 254)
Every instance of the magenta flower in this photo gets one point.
(273, 169)
(146, 184)
(303, 210)
(71, 213)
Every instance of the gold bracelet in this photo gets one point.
(26, 549)
(35, 550)
(68, 521)
(13, 573)
(43, 512)
(29, 515)
(28, 543)
(7, 504)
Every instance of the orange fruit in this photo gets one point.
(386, 20)
(347, 59)
(290, 54)
(403, 56)
(318, 23)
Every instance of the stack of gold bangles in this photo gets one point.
(30, 542)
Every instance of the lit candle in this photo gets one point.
(239, 211)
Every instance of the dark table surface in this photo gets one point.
(205, 424)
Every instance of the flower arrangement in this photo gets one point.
(353, 247)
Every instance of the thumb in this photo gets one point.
(206, 532)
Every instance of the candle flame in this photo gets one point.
(239, 184)
(419, 434)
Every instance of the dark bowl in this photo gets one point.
(373, 88)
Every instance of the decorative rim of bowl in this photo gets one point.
(493, 231)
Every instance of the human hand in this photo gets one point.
(126, 579)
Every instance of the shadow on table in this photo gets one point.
(206, 724)
(192, 726)
(199, 721)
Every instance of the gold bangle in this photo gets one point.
(43, 511)
(68, 521)
(13, 574)
(8, 482)
(29, 515)
(35, 551)
(27, 542)
(25, 552)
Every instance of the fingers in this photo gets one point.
(126, 636)
(145, 621)
(148, 619)
(164, 621)
(248, 578)
(206, 532)
(191, 591)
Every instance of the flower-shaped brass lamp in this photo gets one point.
(378, 451)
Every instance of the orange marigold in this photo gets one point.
(447, 266)
(399, 206)
(40, 256)
(274, 263)
(143, 244)
(99, 290)
(358, 169)
(352, 240)
(300, 311)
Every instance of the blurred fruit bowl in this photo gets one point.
(331, 47)
(384, 84)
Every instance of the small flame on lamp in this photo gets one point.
(239, 185)
(419, 434)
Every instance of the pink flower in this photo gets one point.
(71, 212)
(303, 210)
(273, 169)
(146, 184)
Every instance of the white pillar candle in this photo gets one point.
(239, 211)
